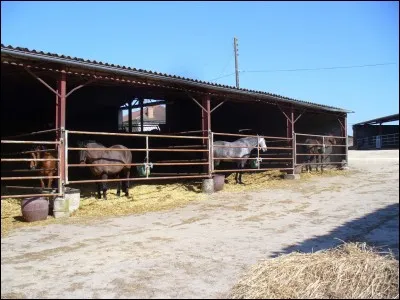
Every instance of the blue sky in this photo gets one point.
(195, 39)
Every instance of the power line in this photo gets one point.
(229, 61)
(223, 76)
(223, 70)
(317, 69)
(310, 69)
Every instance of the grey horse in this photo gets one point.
(248, 143)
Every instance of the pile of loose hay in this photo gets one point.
(143, 198)
(11, 217)
(326, 173)
(255, 181)
(350, 270)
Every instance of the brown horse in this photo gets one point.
(122, 159)
(317, 151)
(45, 168)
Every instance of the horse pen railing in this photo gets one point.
(283, 163)
(379, 141)
(328, 147)
(149, 149)
(13, 156)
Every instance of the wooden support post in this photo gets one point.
(61, 101)
(141, 114)
(60, 123)
(290, 121)
(206, 127)
(130, 115)
(206, 117)
(347, 139)
(290, 134)
(57, 122)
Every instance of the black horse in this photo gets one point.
(121, 158)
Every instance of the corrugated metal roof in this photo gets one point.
(390, 118)
(64, 59)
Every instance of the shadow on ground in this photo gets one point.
(379, 229)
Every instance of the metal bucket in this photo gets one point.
(35, 209)
(142, 171)
(254, 164)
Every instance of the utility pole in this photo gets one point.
(235, 47)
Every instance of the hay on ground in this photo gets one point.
(351, 270)
(143, 198)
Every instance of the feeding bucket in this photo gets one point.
(35, 209)
(142, 171)
(254, 164)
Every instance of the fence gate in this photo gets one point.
(17, 156)
(277, 157)
(331, 150)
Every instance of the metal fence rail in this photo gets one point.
(149, 162)
(14, 157)
(321, 143)
(260, 158)
(379, 141)
(282, 154)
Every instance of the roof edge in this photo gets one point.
(385, 119)
(158, 76)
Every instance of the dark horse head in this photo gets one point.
(83, 153)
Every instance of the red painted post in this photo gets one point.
(290, 123)
(57, 125)
(289, 134)
(347, 139)
(206, 127)
(60, 120)
(206, 117)
(62, 90)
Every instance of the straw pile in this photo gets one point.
(350, 270)
(145, 198)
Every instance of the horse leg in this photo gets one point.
(241, 173)
(128, 174)
(49, 183)
(104, 184)
(98, 190)
(118, 186)
(315, 160)
(322, 166)
(240, 178)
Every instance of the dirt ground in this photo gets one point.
(200, 251)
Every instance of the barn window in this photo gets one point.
(154, 115)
